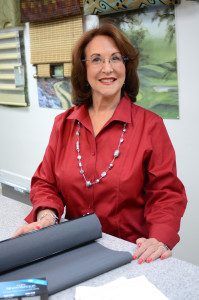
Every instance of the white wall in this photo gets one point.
(184, 132)
(24, 132)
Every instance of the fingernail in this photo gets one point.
(37, 227)
(162, 257)
(140, 261)
(139, 244)
(148, 260)
(134, 256)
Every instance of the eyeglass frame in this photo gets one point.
(124, 59)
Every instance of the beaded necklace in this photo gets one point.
(103, 174)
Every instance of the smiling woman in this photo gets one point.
(105, 77)
(109, 156)
(103, 43)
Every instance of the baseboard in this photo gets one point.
(18, 182)
(15, 186)
(10, 192)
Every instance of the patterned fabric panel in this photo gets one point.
(95, 7)
(9, 13)
(47, 10)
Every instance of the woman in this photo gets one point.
(109, 156)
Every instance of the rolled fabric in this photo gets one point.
(102, 7)
(48, 241)
(65, 254)
(71, 267)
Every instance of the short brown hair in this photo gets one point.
(81, 90)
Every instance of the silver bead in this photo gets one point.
(124, 130)
(121, 140)
(77, 133)
(80, 164)
(110, 166)
(88, 183)
(103, 174)
(116, 153)
(79, 157)
(97, 180)
(81, 171)
(77, 145)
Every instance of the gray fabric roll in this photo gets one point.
(72, 267)
(48, 241)
(64, 254)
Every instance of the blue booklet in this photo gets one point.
(33, 289)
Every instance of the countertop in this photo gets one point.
(176, 279)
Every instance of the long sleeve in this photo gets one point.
(164, 193)
(44, 192)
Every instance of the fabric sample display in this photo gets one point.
(9, 13)
(52, 43)
(95, 7)
(65, 254)
(48, 10)
(12, 68)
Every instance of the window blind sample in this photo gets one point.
(65, 254)
(52, 43)
(11, 57)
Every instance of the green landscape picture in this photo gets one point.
(153, 33)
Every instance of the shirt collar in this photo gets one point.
(80, 113)
(122, 113)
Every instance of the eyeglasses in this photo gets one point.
(115, 59)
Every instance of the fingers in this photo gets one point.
(150, 249)
(143, 244)
(27, 228)
(155, 253)
(140, 241)
(44, 222)
(166, 254)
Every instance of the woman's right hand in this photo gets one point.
(45, 221)
(28, 228)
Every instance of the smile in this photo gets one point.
(107, 80)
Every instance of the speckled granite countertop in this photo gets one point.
(175, 278)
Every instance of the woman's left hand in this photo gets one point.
(150, 249)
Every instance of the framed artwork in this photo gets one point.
(152, 32)
(54, 93)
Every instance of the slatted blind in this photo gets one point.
(10, 61)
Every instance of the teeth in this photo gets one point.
(107, 80)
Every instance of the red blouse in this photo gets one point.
(141, 195)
